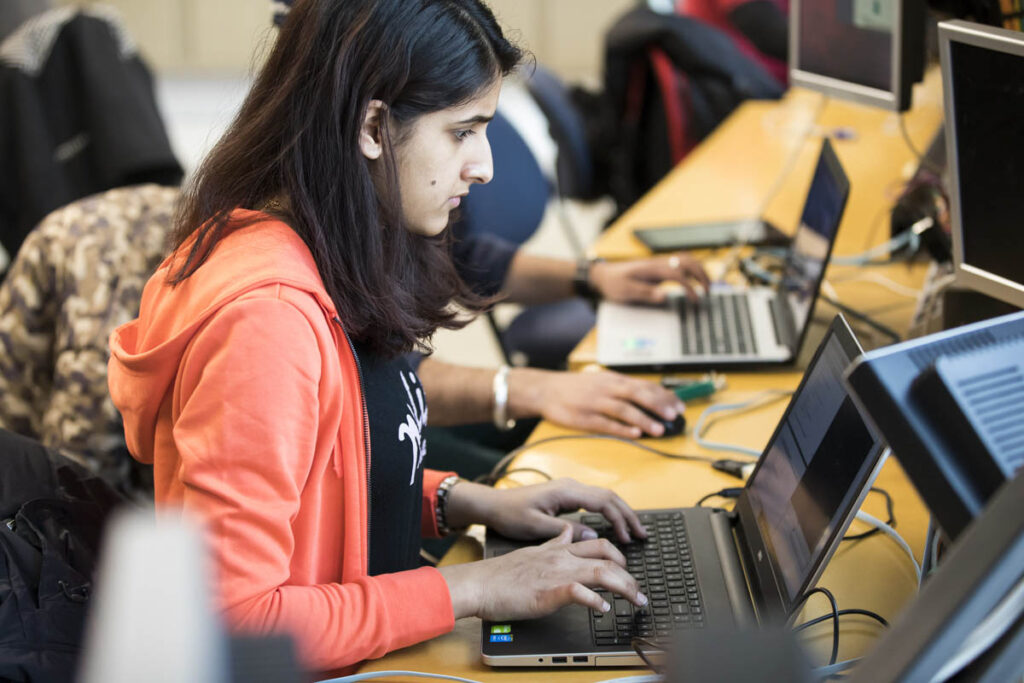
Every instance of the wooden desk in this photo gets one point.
(729, 176)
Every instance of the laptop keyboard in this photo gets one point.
(718, 324)
(663, 567)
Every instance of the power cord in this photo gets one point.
(498, 471)
(516, 470)
(908, 241)
(758, 401)
(736, 468)
(638, 644)
(834, 615)
(889, 511)
(862, 317)
(730, 493)
(922, 160)
(853, 610)
(891, 533)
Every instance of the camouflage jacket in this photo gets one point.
(78, 275)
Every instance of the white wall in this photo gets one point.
(221, 36)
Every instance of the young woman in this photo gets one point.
(263, 377)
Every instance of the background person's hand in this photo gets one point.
(533, 582)
(531, 512)
(637, 281)
(604, 402)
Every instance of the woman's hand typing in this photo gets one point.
(535, 581)
(531, 512)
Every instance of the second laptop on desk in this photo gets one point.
(756, 326)
(710, 568)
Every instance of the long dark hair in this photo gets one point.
(293, 151)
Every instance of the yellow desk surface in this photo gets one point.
(730, 175)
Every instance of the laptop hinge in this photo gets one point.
(782, 319)
(740, 597)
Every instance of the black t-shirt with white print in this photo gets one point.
(397, 409)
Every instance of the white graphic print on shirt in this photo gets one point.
(415, 421)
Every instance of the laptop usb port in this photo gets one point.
(581, 659)
(558, 660)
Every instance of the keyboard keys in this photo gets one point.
(720, 324)
(664, 570)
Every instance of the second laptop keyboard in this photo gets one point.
(663, 567)
(718, 324)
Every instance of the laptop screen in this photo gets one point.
(812, 243)
(813, 470)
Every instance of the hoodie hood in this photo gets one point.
(147, 352)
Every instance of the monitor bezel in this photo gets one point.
(1000, 40)
(887, 99)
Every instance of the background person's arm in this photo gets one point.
(536, 279)
(604, 402)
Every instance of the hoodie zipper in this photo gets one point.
(366, 440)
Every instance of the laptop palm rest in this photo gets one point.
(567, 632)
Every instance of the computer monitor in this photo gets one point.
(869, 51)
(949, 405)
(983, 82)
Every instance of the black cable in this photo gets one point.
(730, 493)
(863, 317)
(825, 617)
(835, 616)
(921, 159)
(889, 511)
(638, 644)
(499, 468)
(515, 470)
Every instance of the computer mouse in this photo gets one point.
(672, 427)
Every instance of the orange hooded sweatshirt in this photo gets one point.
(240, 387)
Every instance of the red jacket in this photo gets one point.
(241, 388)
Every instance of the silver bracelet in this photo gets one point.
(444, 491)
(500, 387)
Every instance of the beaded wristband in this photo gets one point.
(441, 509)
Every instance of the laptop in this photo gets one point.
(755, 326)
(708, 568)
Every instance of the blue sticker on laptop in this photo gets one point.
(501, 637)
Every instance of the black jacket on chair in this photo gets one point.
(660, 64)
(78, 116)
(51, 516)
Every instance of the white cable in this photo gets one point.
(833, 669)
(698, 430)
(878, 279)
(645, 678)
(891, 533)
(907, 238)
(829, 290)
(986, 633)
(390, 674)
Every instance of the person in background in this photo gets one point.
(265, 378)
(760, 28)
